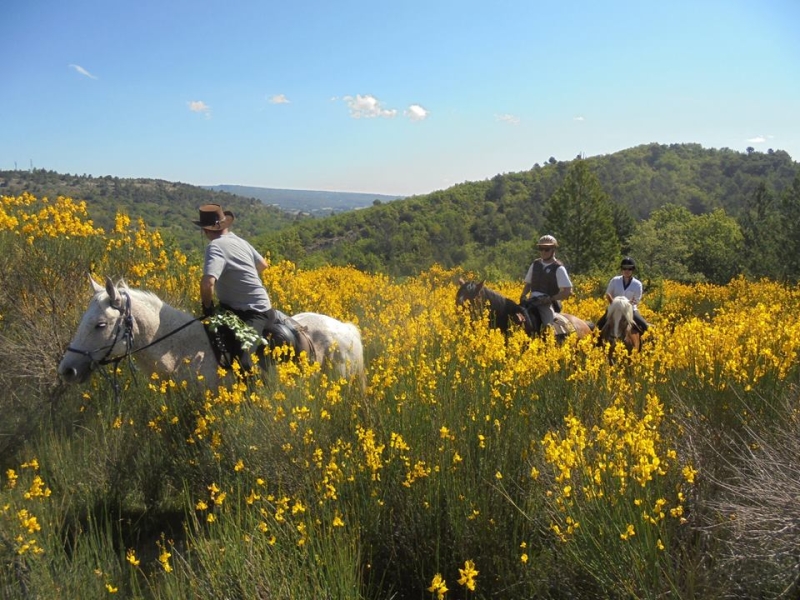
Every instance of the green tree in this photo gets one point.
(662, 245)
(624, 224)
(716, 244)
(761, 224)
(790, 208)
(580, 215)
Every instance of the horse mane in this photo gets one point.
(137, 294)
(620, 317)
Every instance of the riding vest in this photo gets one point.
(543, 278)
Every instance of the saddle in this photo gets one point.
(284, 331)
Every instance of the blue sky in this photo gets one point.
(387, 98)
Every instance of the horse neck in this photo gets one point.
(164, 345)
(497, 301)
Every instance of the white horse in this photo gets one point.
(122, 322)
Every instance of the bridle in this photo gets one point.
(123, 328)
(123, 331)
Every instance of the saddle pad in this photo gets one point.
(562, 325)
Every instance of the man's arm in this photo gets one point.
(525, 289)
(207, 284)
(563, 294)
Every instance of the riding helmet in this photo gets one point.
(547, 240)
(628, 262)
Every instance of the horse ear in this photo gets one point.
(461, 281)
(480, 285)
(96, 287)
(113, 293)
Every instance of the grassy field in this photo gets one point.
(471, 466)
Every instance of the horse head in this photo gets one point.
(104, 335)
(620, 326)
(469, 291)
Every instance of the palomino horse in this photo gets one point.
(504, 311)
(620, 326)
(121, 322)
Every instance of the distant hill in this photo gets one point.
(316, 203)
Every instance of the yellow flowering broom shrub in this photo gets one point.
(493, 463)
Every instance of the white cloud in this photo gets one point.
(279, 99)
(368, 107)
(82, 71)
(510, 119)
(578, 118)
(759, 139)
(416, 113)
(201, 107)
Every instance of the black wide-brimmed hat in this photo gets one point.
(214, 218)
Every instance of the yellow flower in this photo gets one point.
(111, 589)
(628, 533)
(163, 558)
(468, 574)
(130, 556)
(524, 558)
(438, 586)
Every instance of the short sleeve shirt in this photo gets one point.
(232, 261)
(633, 291)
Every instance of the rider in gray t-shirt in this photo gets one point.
(232, 269)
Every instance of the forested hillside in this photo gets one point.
(685, 212)
(491, 226)
(169, 206)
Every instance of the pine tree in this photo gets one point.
(790, 256)
(760, 221)
(580, 215)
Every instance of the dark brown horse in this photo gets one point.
(504, 312)
(620, 327)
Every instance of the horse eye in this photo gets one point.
(101, 325)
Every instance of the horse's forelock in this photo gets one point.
(620, 308)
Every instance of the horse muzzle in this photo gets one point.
(71, 372)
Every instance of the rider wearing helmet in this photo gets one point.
(626, 285)
(547, 281)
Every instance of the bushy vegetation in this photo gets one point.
(471, 466)
(169, 206)
(686, 213)
(713, 200)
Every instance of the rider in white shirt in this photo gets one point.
(626, 285)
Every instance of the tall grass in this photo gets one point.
(472, 463)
